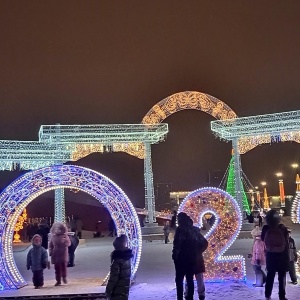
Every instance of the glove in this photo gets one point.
(44, 266)
(258, 262)
(28, 268)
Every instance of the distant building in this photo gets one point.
(176, 198)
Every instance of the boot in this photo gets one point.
(64, 279)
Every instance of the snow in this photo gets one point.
(155, 277)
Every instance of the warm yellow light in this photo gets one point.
(279, 174)
(263, 183)
(295, 166)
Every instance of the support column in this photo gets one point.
(59, 195)
(149, 190)
(59, 206)
(237, 173)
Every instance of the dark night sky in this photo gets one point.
(81, 62)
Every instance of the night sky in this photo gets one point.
(101, 62)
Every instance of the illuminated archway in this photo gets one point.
(188, 100)
(26, 188)
(221, 235)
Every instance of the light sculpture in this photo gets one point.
(295, 212)
(26, 188)
(221, 235)
(297, 265)
(22, 218)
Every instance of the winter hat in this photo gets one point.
(36, 235)
(272, 217)
(120, 242)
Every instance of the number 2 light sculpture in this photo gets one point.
(221, 235)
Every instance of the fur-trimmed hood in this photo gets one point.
(58, 228)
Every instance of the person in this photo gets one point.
(73, 225)
(120, 270)
(258, 260)
(79, 227)
(173, 225)
(37, 260)
(112, 228)
(293, 258)
(199, 268)
(260, 220)
(166, 231)
(58, 250)
(71, 249)
(255, 232)
(98, 230)
(275, 237)
(184, 255)
(43, 230)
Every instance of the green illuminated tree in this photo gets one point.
(230, 187)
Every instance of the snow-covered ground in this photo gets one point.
(155, 276)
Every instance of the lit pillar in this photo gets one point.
(266, 202)
(237, 172)
(149, 191)
(281, 193)
(297, 183)
(59, 195)
(258, 198)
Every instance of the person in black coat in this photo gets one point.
(120, 271)
(185, 252)
(275, 236)
(71, 249)
(43, 230)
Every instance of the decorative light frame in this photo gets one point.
(221, 235)
(26, 188)
(295, 211)
(261, 129)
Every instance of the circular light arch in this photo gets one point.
(26, 188)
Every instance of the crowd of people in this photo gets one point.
(273, 247)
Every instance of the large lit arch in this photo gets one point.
(188, 100)
(26, 188)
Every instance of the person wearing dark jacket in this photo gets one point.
(71, 249)
(199, 268)
(120, 271)
(293, 258)
(275, 237)
(37, 260)
(43, 231)
(185, 252)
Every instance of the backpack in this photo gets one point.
(275, 240)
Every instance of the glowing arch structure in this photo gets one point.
(221, 235)
(295, 212)
(26, 188)
(188, 100)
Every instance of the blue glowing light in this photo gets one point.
(27, 187)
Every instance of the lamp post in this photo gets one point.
(295, 166)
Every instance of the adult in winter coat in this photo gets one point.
(71, 249)
(43, 231)
(275, 237)
(58, 250)
(37, 260)
(199, 268)
(184, 254)
(293, 258)
(120, 270)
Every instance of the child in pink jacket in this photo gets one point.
(258, 260)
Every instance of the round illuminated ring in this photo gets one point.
(126, 223)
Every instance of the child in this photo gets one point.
(37, 259)
(58, 250)
(120, 270)
(166, 230)
(293, 258)
(258, 259)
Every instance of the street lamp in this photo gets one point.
(279, 174)
(294, 166)
(263, 183)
